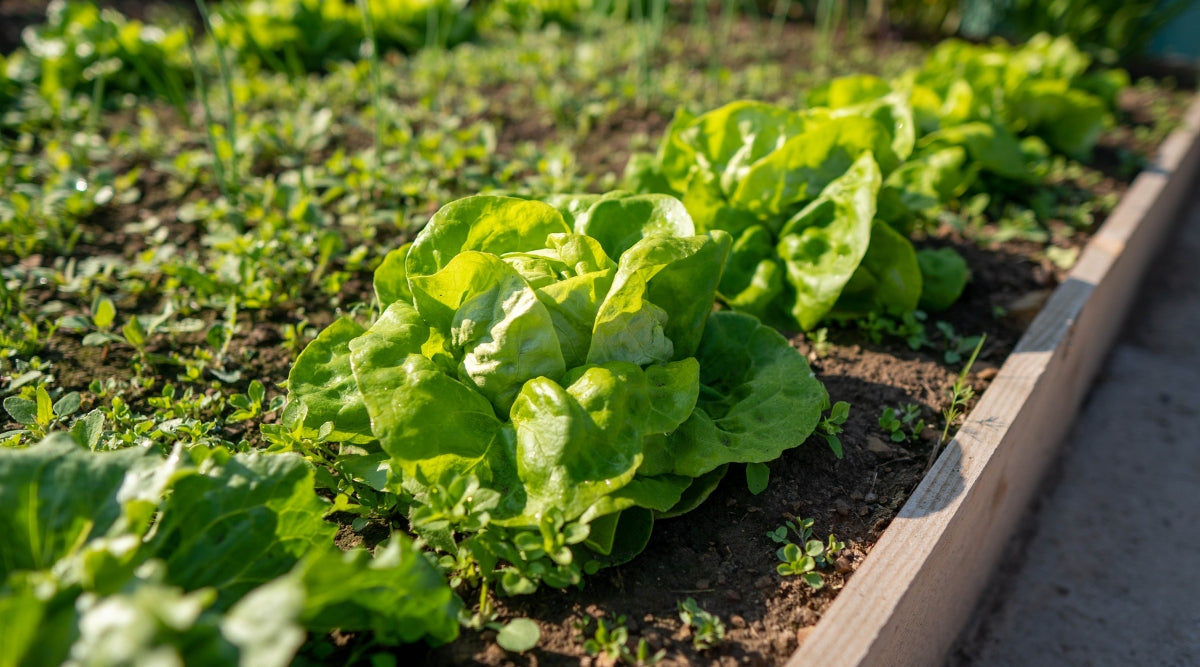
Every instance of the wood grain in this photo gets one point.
(917, 587)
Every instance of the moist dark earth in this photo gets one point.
(719, 554)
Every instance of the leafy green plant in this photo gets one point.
(903, 423)
(708, 630)
(598, 394)
(612, 642)
(40, 413)
(798, 192)
(804, 560)
(961, 394)
(193, 550)
(831, 426)
(956, 345)
(81, 47)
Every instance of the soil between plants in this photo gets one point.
(718, 554)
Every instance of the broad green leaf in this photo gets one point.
(758, 476)
(992, 147)
(537, 269)
(485, 223)
(582, 254)
(423, 418)
(395, 594)
(21, 615)
(660, 299)
(571, 206)
(758, 398)
(1069, 120)
(104, 314)
(573, 304)
(710, 208)
(322, 382)
(618, 538)
(676, 157)
(848, 90)
(23, 410)
(45, 409)
(519, 635)
(43, 607)
(799, 171)
(924, 184)
(895, 113)
(57, 496)
(944, 275)
(824, 244)
(149, 620)
(67, 405)
(264, 625)
(888, 280)
(499, 331)
(391, 278)
(696, 492)
(728, 140)
(240, 524)
(671, 393)
(643, 173)
(619, 222)
(656, 492)
(575, 445)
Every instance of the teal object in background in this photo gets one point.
(1179, 39)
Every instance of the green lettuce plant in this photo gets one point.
(298, 36)
(545, 379)
(798, 193)
(203, 555)
(82, 48)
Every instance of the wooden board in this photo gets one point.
(910, 598)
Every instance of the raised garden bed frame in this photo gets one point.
(916, 589)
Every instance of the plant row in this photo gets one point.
(821, 201)
(538, 381)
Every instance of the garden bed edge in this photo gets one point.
(910, 598)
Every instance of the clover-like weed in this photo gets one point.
(804, 560)
(708, 629)
(903, 423)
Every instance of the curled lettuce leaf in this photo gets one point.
(758, 398)
(324, 386)
(824, 244)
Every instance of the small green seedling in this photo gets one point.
(960, 394)
(819, 340)
(956, 345)
(104, 313)
(909, 327)
(902, 424)
(39, 413)
(804, 561)
(611, 641)
(707, 629)
(830, 427)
